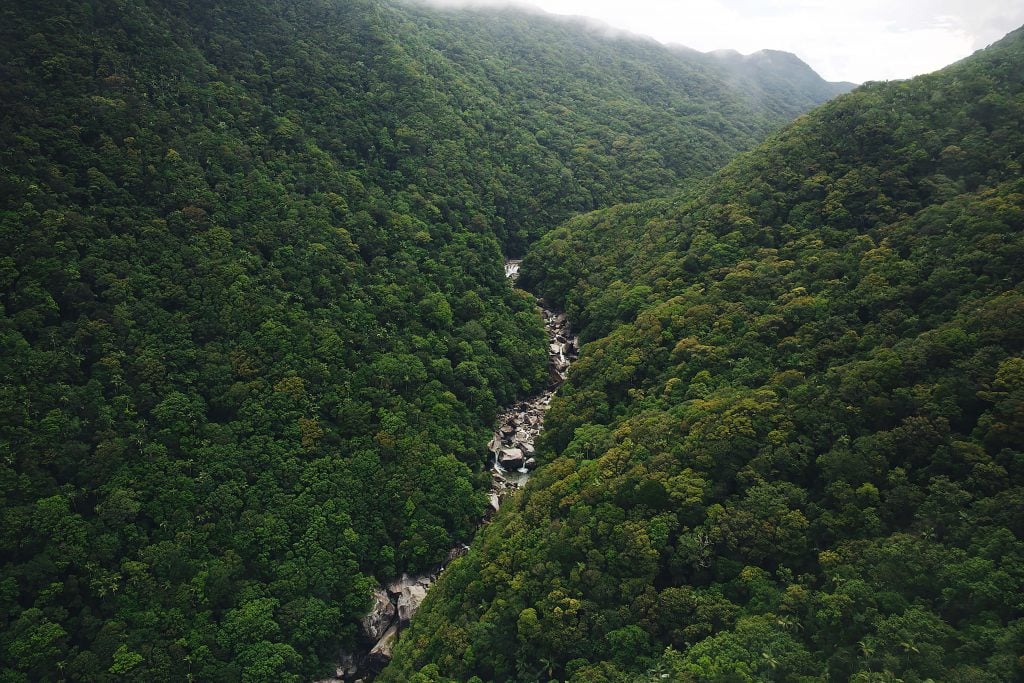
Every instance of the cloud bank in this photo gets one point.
(843, 40)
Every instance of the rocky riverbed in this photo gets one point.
(512, 451)
(512, 445)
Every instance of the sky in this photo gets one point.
(843, 40)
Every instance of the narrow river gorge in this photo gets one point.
(512, 445)
(512, 460)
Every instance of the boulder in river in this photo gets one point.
(530, 464)
(381, 653)
(511, 458)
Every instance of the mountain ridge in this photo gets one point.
(794, 423)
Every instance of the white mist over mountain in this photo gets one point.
(852, 40)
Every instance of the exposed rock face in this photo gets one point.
(408, 593)
(380, 655)
(381, 616)
(393, 607)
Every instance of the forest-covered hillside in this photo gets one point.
(793, 446)
(254, 323)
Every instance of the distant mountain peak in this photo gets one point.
(785, 64)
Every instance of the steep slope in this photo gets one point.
(254, 323)
(794, 445)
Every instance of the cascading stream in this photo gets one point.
(512, 449)
(512, 445)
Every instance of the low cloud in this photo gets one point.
(852, 41)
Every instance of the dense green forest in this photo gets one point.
(793, 445)
(255, 328)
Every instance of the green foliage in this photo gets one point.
(254, 322)
(792, 447)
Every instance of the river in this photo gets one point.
(512, 451)
(512, 445)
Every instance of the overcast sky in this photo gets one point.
(843, 40)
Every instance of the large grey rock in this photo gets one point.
(409, 592)
(511, 458)
(409, 601)
(380, 617)
(382, 651)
